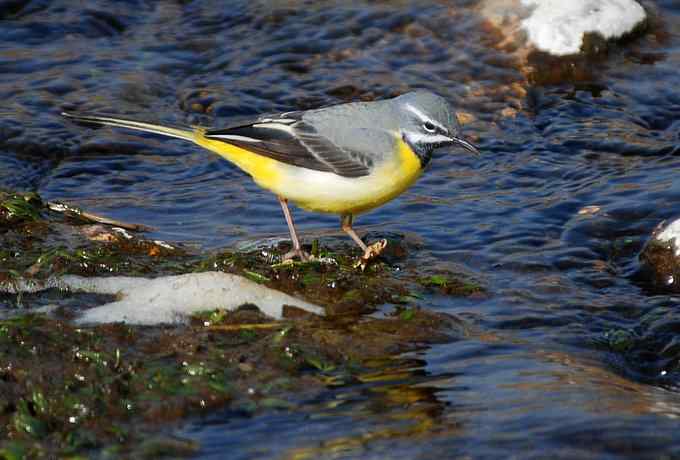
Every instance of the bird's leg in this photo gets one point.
(370, 252)
(297, 249)
(346, 223)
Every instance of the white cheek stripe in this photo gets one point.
(424, 117)
(419, 138)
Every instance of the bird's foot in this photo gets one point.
(371, 252)
(299, 253)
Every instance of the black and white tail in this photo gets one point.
(171, 131)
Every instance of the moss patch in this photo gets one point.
(66, 390)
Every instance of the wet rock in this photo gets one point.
(560, 28)
(649, 351)
(451, 285)
(660, 258)
(67, 389)
(166, 446)
(563, 28)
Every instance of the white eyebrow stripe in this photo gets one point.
(424, 117)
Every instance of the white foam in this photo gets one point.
(557, 26)
(169, 299)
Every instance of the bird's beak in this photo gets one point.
(465, 144)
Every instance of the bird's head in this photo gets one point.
(427, 122)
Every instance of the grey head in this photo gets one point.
(427, 122)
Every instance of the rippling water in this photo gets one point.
(539, 371)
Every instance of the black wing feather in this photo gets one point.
(294, 142)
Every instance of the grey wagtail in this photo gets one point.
(344, 159)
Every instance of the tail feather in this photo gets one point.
(172, 131)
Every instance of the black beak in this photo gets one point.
(465, 144)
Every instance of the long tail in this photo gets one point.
(263, 170)
(172, 131)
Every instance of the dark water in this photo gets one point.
(541, 371)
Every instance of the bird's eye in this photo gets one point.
(429, 127)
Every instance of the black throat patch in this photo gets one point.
(423, 152)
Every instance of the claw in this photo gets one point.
(299, 253)
(371, 252)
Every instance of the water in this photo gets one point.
(538, 372)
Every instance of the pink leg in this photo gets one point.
(297, 248)
(346, 223)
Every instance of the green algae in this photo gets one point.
(451, 285)
(254, 276)
(620, 340)
(16, 207)
(407, 314)
(14, 450)
(74, 389)
(38, 242)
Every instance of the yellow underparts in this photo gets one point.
(324, 191)
(386, 182)
(266, 172)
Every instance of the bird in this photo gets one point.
(343, 159)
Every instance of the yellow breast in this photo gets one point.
(384, 184)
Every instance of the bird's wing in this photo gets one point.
(289, 139)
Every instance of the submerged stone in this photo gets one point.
(660, 258)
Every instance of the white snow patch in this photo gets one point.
(168, 299)
(557, 26)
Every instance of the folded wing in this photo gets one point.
(290, 139)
